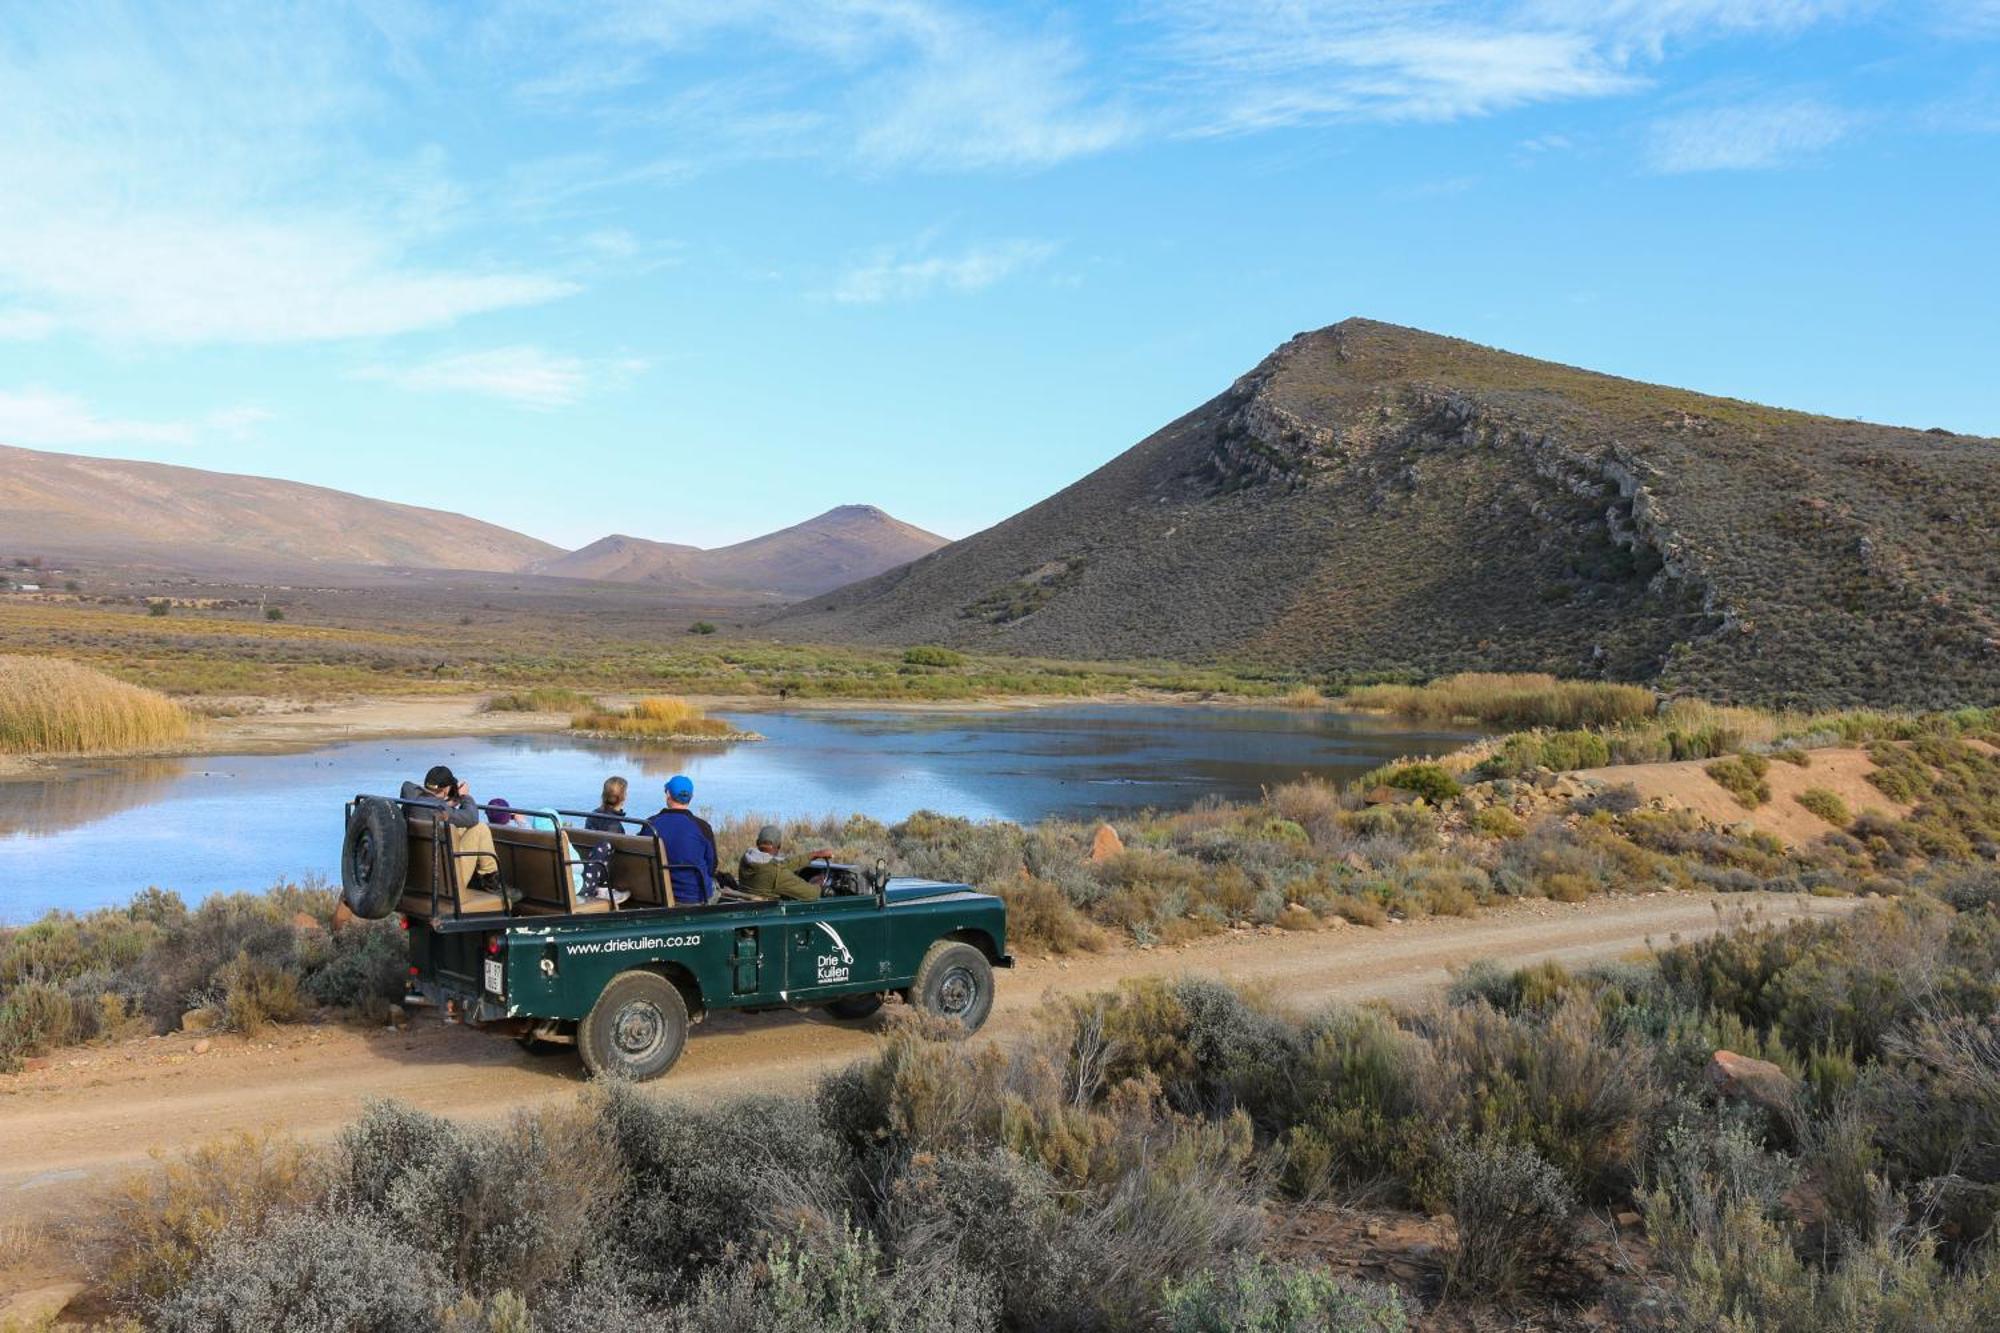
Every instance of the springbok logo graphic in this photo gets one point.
(838, 943)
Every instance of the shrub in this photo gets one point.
(661, 717)
(1525, 700)
(274, 613)
(932, 656)
(1742, 775)
(159, 607)
(1512, 1211)
(1429, 781)
(256, 993)
(1496, 821)
(702, 627)
(1268, 1297)
(309, 1272)
(153, 1229)
(50, 706)
(834, 1282)
(541, 699)
(1826, 804)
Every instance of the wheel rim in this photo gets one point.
(638, 1031)
(957, 992)
(364, 855)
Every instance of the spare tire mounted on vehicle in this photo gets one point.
(374, 858)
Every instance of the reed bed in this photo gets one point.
(52, 706)
(660, 717)
(1526, 699)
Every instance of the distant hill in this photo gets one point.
(839, 546)
(185, 519)
(620, 559)
(68, 505)
(1373, 498)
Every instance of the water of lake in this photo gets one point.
(96, 836)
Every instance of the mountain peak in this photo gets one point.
(1371, 497)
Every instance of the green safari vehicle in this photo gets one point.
(624, 980)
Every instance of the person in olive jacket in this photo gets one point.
(762, 872)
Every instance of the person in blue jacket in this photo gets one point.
(689, 843)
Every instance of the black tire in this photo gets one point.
(851, 1008)
(637, 1028)
(955, 983)
(374, 858)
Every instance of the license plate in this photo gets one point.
(493, 980)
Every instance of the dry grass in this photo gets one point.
(52, 706)
(1305, 696)
(1527, 699)
(662, 717)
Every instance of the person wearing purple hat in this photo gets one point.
(689, 844)
(504, 815)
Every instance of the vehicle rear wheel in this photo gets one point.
(374, 858)
(637, 1028)
(850, 1008)
(955, 983)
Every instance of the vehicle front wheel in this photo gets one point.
(637, 1028)
(850, 1008)
(955, 983)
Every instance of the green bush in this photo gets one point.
(932, 656)
(1429, 781)
(1826, 804)
(702, 627)
(1512, 1211)
(1743, 776)
(1267, 1297)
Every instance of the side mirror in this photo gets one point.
(878, 880)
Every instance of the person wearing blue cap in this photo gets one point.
(689, 844)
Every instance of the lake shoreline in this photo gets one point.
(286, 726)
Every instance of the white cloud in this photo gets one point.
(524, 375)
(1742, 138)
(222, 194)
(1265, 64)
(25, 325)
(35, 418)
(890, 275)
(882, 83)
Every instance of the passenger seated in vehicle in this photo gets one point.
(689, 843)
(609, 817)
(471, 841)
(504, 815)
(587, 886)
(762, 873)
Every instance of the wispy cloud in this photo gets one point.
(36, 418)
(524, 375)
(25, 325)
(220, 195)
(1267, 64)
(1748, 137)
(906, 275)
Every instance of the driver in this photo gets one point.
(762, 873)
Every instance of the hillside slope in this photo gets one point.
(1373, 498)
(70, 505)
(843, 544)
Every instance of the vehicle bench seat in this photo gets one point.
(638, 864)
(539, 863)
(454, 895)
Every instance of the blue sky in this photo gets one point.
(696, 270)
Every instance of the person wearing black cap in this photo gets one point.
(471, 841)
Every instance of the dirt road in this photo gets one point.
(89, 1113)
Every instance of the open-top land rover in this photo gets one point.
(624, 982)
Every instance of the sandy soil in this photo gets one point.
(1843, 772)
(83, 1116)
